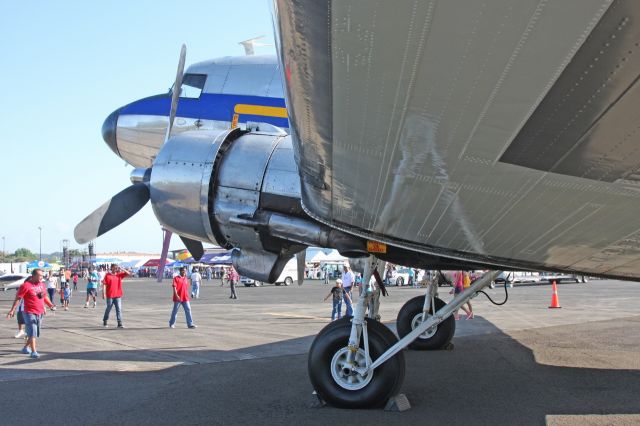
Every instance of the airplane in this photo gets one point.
(438, 135)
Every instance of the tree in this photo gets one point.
(22, 255)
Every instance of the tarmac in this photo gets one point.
(246, 362)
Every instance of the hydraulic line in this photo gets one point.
(506, 293)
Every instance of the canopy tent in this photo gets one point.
(335, 256)
(56, 266)
(219, 258)
(38, 264)
(106, 260)
(155, 263)
(135, 263)
(315, 256)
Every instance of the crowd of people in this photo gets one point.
(41, 289)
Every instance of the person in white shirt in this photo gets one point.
(196, 280)
(101, 274)
(52, 285)
(348, 279)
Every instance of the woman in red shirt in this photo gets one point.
(181, 297)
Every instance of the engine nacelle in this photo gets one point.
(239, 190)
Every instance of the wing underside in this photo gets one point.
(498, 130)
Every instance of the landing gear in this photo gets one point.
(335, 377)
(434, 338)
(358, 363)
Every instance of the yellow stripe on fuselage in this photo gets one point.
(265, 111)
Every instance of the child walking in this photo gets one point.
(338, 293)
(67, 295)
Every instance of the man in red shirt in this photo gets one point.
(181, 297)
(34, 294)
(112, 291)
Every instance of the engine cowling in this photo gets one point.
(239, 190)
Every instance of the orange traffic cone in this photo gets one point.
(555, 303)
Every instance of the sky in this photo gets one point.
(66, 65)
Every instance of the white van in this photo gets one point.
(289, 273)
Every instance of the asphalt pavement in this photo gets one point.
(246, 362)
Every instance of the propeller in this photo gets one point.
(118, 209)
(129, 201)
(175, 94)
(195, 247)
(300, 262)
(163, 256)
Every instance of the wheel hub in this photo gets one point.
(346, 376)
(417, 320)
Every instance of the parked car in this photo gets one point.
(250, 282)
(289, 273)
(400, 277)
(504, 277)
(559, 276)
(12, 281)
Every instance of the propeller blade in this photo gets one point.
(176, 91)
(301, 258)
(195, 247)
(118, 209)
(163, 256)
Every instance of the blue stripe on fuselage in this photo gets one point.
(210, 106)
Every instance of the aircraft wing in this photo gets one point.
(498, 131)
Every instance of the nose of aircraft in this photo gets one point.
(109, 131)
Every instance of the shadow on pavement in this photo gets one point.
(486, 379)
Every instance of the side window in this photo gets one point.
(192, 85)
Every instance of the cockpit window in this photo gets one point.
(192, 85)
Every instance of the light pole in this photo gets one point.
(3, 259)
(40, 229)
(66, 259)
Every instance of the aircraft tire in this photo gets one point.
(437, 339)
(329, 348)
(288, 281)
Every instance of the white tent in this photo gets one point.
(315, 256)
(134, 263)
(334, 256)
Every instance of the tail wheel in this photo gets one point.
(437, 337)
(337, 384)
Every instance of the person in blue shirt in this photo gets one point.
(66, 291)
(93, 279)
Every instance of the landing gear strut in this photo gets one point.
(357, 362)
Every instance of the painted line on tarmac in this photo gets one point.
(297, 316)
